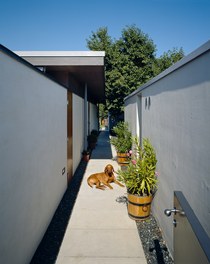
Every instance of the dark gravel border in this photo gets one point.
(48, 248)
(154, 247)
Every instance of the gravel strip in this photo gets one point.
(48, 249)
(154, 246)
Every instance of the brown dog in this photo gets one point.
(104, 178)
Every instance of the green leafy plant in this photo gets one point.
(85, 152)
(140, 176)
(94, 132)
(92, 138)
(123, 139)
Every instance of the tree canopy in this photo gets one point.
(167, 59)
(130, 61)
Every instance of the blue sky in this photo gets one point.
(66, 24)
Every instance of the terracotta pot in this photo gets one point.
(86, 157)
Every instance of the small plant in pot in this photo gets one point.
(122, 141)
(95, 132)
(86, 155)
(92, 140)
(140, 178)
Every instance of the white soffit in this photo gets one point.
(70, 58)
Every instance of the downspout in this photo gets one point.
(85, 117)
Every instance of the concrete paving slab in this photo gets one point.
(87, 220)
(105, 260)
(102, 243)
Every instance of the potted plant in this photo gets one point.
(94, 132)
(86, 155)
(92, 140)
(122, 141)
(140, 178)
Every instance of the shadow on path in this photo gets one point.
(48, 249)
(103, 149)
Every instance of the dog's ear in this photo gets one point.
(112, 168)
(105, 169)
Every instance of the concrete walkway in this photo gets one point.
(99, 230)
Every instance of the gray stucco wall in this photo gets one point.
(93, 117)
(174, 110)
(78, 129)
(32, 157)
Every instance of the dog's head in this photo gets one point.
(109, 169)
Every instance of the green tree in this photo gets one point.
(132, 59)
(167, 59)
(129, 62)
(98, 41)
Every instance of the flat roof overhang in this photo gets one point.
(87, 67)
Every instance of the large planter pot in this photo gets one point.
(122, 159)
(139, 207)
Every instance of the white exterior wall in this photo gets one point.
(177, 121)
(32, 157)
(78, 126)
(93, 118)
(132, 115)
(78, 129)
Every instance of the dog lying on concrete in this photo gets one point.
(103, 179)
